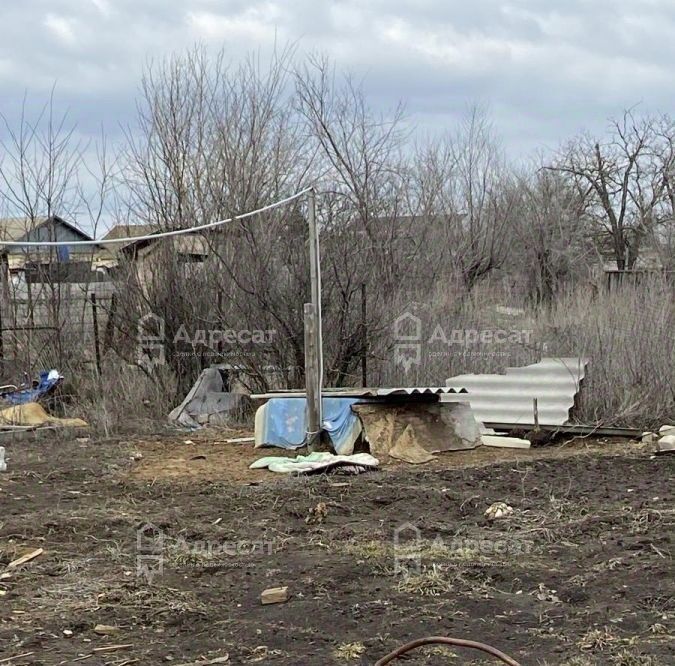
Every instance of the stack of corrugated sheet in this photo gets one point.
(508, 398)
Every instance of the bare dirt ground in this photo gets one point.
(580, 573)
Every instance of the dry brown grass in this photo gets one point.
(627, 334)
(124, 400)
(430, 582)
(349, 651)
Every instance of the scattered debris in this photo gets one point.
(498, 510)
(505, 442)
(319, 462)
(47, 381)
(664, 439)
(112, 648)
(16, 656)
(240, 440)
(274, 595)
(317, 514)
(349, 651)
(32, 414)
(105, 629)
(67, 633)
(209, 402)
(3, 464)
(218, 660)
(543, 593)
(666, 444)
(25, 558)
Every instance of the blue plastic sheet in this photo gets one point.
(284, 423)
(48, 379)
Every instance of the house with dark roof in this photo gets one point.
(21, 265)
(144, 256)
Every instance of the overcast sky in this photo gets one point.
(546, 68)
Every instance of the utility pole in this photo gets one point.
(313, 338)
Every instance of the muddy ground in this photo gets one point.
(579, 573)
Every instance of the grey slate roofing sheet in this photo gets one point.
(508, 398)
(364, 392)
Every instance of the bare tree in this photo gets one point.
(370, 230)
(463, 180)
(47, 171)
(622, 181)
(551, 248)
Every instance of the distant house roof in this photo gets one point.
(36, 229)
(187, 244)
(128, 231)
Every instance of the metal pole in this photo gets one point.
(315, 366)
(535, 407)
(311, 379)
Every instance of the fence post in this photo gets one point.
(109, 337)
(220, 346)
(94, 319)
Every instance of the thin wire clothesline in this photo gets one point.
(163, 234)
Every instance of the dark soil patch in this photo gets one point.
(580, 573)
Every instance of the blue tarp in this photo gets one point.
(283, 422)
(47, 381)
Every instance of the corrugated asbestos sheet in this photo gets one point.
(508, 398)
(364, 392)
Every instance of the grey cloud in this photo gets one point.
(546, 69)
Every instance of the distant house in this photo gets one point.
(127, 231)
(144, 256)
(21, 266)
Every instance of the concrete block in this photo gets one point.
(666, 444)
(274, 595)
(505, 442)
